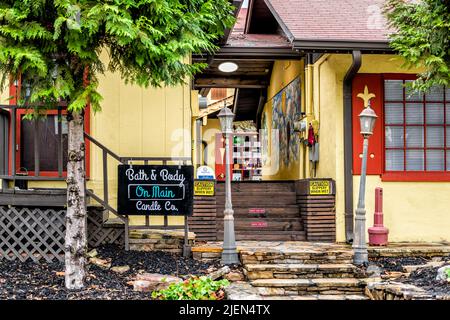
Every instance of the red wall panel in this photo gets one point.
(375, 155)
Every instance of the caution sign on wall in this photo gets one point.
(319, 187)
(204, 187)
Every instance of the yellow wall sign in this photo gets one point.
(319, 187)
(203, 188)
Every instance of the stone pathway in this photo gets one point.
(295, 270)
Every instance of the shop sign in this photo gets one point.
(155, 190)
(205, 173)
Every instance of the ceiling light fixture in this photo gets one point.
(228, 67)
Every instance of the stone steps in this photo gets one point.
(294, 287)
(333, 256)
(293, 271)
(245, 291)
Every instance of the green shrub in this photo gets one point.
(448, 274)
(195, 288)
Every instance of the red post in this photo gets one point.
(378, 234)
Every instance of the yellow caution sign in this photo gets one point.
(203, 188)
(319, 187)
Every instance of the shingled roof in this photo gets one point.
(341, 21)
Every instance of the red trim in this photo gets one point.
(87, 143)
(21, 112)
(410, 176)
(399, 76)
(375, 164)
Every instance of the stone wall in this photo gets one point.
(171, 241)
(391, 290)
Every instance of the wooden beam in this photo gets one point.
(236, 99)
(204, 91)
(231, 82)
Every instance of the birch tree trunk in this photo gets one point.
(76, 222)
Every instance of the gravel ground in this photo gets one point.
(41, 281)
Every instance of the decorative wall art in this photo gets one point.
(284, 113)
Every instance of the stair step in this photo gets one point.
(267, 210)
(259, 200)
(328, 286)
(257, 186)
(263, 235)
(291, 270)
(263, 224)
(306, 283)
(297, 257)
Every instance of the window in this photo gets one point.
(416, 129)
(48, 139)
(48, 143)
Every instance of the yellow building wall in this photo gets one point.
(139, 122)
(209, 132)
(283, 73)
(413, 211)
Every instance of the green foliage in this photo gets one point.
(56, 46)
(422, 37)
(195, 288)
(448, 273)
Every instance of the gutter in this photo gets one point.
(348, 144)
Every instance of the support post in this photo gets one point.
(13, 141)
(105, 183)
(229, 253)
(60, 144)
(37, 170)
(360, 245)
(186, 247)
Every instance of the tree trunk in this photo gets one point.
(76, 222)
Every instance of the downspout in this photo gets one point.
(348, 144)
(198, 142)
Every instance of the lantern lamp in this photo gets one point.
(226, 117)
(367, 120)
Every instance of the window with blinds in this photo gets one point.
(417, 128)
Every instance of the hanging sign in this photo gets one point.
(155, 190)
(204, 187)
(205, 173)
(319, 187)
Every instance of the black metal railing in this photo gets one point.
(106, 190)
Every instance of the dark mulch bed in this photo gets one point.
(396, 264)
(424, 278)
(30, 280)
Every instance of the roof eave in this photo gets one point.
(310, 45)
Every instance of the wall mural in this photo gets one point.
(284, 113)
(277, 126)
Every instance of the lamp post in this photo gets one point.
(229, 252)
(367, 120)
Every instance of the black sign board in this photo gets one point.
(155, 190)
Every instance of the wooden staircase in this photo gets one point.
(263, 211)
